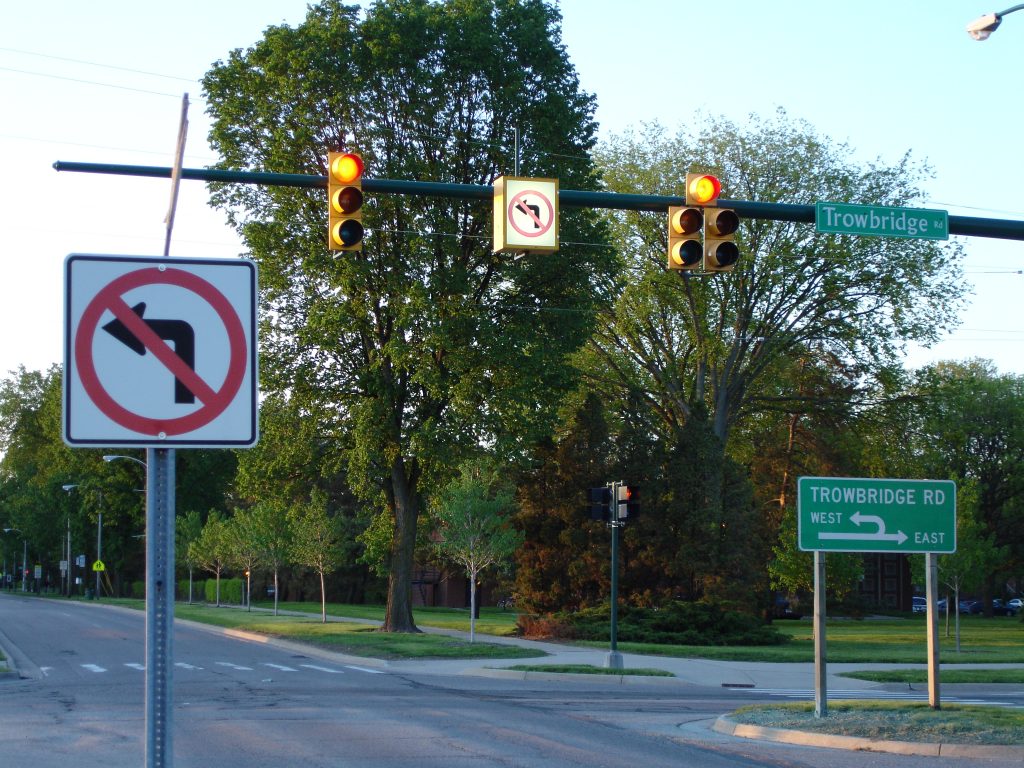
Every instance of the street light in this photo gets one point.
(68, 487)
(108, 458)
(983, 26)
(24, 556)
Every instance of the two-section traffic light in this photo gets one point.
(345, 201)
(684, 247)
(628, 503)
(600, 503)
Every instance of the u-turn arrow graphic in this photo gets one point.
(857, 518)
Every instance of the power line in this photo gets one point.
(97, 64)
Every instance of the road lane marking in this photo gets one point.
(233, 666)
(281, 667)
(136, 665)
(183, 665)
(322, 669)
(93, 667)
(365, 669)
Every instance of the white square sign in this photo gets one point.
(159, 352)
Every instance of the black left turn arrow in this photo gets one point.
(178, 332)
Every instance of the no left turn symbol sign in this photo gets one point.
(531, 213)
(160, 352)
(525, 214)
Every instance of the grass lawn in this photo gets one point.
(953, 724)
(891, 640)
(348, 637)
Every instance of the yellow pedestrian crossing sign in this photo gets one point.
(99, 566)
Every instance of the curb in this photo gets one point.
(575, 677)
(725, 725)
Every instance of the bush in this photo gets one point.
(677, 623)
(231, 591)
(139, 590)
(198, 591)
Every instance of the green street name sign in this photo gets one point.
(855, 514)
(882, 221)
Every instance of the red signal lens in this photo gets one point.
(347, 168)
(702, 188)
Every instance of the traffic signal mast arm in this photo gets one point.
(968, 226)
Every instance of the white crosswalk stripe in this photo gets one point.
(232, 665)
(298, 668)
(328, 670)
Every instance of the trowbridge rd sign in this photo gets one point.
(849, 514)
(882, 221)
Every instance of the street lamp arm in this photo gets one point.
(983, 26)
(114, 457)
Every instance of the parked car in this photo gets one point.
(999, 608)
(976, 607)
(1016, 603)
(920, 605)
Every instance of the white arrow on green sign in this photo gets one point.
(855, 514)
(881, 221)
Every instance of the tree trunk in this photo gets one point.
(472, 606)
(398, 614)
(323, 599)
(276, 588)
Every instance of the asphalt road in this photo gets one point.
(241, 704)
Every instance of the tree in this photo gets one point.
(212, 549)
(272, 537)
(242, 540)
(316, 541)
(188, 528)
(424, 345)
(474, 526)
(970, 427)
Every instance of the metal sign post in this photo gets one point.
(614, 659)
(159, 605)
(820, 677)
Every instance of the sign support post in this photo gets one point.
(614, 659)
(160, 472)
(931, 587)
(820, 676)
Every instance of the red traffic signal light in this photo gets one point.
(345, 201)
(702, 189)
(684, 247)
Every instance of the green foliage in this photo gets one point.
(676, 623)
(231, 591)
(139, 590)
(408, 364)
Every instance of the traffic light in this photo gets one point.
(628, 502)
(684, 247)
(720, 250)
(600, 503)
(345, 201)
(702, 189)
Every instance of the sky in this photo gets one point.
(103, 82)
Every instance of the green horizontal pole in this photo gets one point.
(969, 226)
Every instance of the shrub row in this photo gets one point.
(677, 623)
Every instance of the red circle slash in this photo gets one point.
(215, 401)
(518, 203)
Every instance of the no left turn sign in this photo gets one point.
(160, 352)
(525, 214)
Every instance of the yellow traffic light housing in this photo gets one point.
(720, 250)
(684, 247)
(345, 201)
